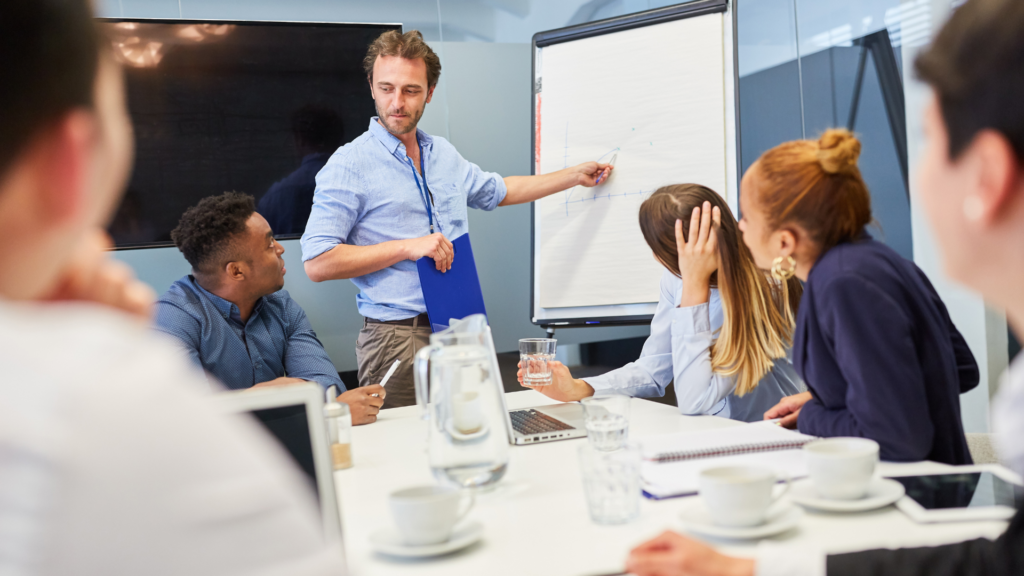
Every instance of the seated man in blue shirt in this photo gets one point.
(231, 313)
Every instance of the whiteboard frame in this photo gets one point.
(632, 314)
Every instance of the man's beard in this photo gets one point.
(396, 130)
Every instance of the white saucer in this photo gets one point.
(463, 436)
(882, 492)
(389, 541)
(697, 520)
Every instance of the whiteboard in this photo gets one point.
(655, 90)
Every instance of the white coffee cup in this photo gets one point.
(739, 496)
(841, 468)
(427, 514)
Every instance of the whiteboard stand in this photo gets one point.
(576, 119)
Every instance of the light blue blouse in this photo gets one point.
(678, 350)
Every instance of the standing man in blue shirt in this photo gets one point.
(396, 194)
(232, 316)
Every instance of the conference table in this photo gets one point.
(536, 522)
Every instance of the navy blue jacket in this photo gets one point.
(881, 357)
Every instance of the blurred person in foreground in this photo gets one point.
(112, 460)
(972, 188)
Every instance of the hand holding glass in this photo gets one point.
(534, 355)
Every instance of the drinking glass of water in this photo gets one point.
(607, 421)
(534, 355)
(611, 483)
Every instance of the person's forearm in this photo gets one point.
(345, 261)
(695, 292)
(522, 189)
(282, 381)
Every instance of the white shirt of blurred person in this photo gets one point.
(971, 179)
(111, 459)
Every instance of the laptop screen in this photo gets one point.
(290, 426)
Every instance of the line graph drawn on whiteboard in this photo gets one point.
(581, 194)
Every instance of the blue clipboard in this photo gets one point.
(454, 294)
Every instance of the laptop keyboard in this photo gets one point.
(530, 421)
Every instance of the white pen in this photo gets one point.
(388, 375)
(610, 163)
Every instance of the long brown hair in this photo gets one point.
(758, 311)
(817, 185)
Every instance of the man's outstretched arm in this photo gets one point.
(522, 189)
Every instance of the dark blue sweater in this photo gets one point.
(881, 357)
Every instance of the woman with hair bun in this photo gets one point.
(874, 342)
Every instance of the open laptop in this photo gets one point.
(294, 415)
(529, 425)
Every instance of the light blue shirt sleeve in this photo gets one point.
(484, 190)
(678, 350)
(338, 204)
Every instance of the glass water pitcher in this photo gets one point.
(459, 390)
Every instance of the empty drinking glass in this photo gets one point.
(534, 355)
(607, 421)
(611, 483)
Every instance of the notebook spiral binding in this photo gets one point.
(731, 450)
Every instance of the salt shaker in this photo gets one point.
(339, 431)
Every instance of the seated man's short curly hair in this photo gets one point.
(205, 230)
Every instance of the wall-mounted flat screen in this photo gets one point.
(253, 107)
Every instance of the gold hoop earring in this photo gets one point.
(780, 273)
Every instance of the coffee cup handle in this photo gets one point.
(472, 501)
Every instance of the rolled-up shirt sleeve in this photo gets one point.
(484, 190)
(338, 204)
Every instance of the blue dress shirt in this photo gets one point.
(881, 356)
(276, 341)
(369, 192)
(679, 350)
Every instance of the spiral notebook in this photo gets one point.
(673, 462)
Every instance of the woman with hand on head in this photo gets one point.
(972, 189)
(722, 328)
(874, 342)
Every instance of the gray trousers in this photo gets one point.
(377, 348)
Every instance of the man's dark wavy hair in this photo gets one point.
(205, 231)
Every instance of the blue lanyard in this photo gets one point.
(424, 191)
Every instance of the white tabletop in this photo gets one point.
(536, 521)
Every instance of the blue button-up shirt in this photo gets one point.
(276, 341)
(369, 192)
